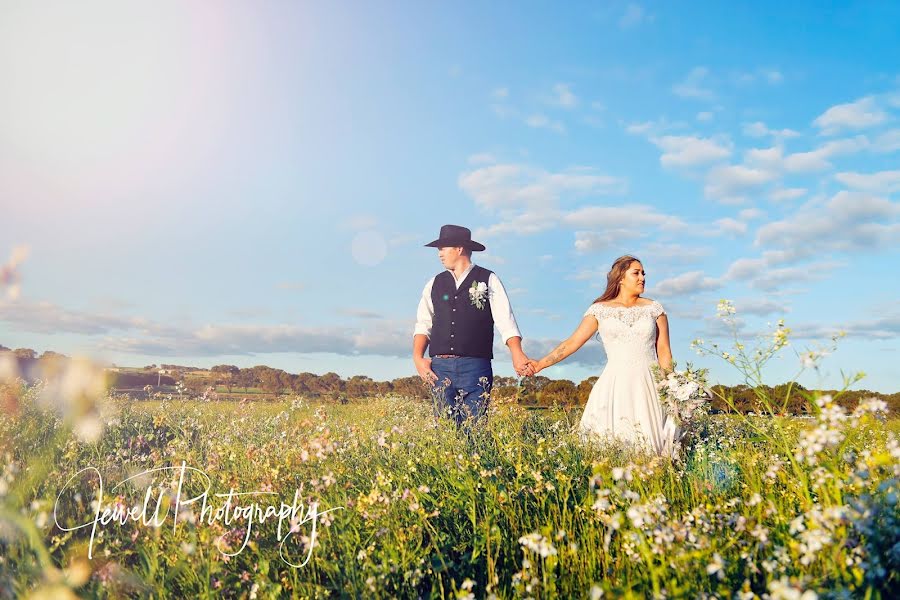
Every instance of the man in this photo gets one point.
(456, 317)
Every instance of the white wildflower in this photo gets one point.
(716, 566)
(538, 544)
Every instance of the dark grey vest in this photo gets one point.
(460, 327)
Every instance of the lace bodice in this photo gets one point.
(628, 333)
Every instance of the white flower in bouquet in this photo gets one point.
(684, 394)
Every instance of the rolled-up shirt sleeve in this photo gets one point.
(425, 312)
(501, 311)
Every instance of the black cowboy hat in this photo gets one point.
(454, 236)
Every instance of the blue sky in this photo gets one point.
(253, 184)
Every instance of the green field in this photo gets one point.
(516, 508)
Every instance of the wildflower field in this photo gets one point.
(755, 506)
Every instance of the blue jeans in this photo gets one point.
(463, 388)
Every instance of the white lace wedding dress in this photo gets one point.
(624, 403)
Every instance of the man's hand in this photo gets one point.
(423, 366)
(533, 368)
(522, 364)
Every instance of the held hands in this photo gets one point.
(533, 368)
(526, 367)
(522, 365)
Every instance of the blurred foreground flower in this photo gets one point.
(9, 275)
(75, 390)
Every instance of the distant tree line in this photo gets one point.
(533, 391)
(536, 391)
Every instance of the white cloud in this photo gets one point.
(564, 96)
(500, 93)
(783, 194)
(745, 269)
(770, 271)
(657, 252)
(882, 182)
(770, 76)
(772, 279)
(382, 338)
(632, 217)
(759, 129)
(653, 128)
(882, 328)
(517, 187)
(704, 116)
(640, 128)
(859, 114)
(540, 121)
(849, 221)
(731, 226)
(688, 283)
(768, 158)
(46, 317)
(593, 241)
(756, 129)
(611, 225)
(732, 183)
(633, 16)
(749, 214)
(889, 141)
(689, 151)
(693, 85)
(527, 223)
(817, 160)
(759, 306)
(142, 336)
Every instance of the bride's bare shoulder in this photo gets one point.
(613, 304)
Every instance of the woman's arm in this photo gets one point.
(586, 329)
(663, 350)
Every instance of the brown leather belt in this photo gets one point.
(447, 356)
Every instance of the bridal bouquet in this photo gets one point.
(684, 394)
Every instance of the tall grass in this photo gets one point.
(516, 506)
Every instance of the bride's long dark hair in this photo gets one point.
(615, 275)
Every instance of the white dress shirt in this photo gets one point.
(501, 311)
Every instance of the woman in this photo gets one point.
(624, 402)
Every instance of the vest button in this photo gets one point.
(451, 347)
(451, 335)
(453, 322)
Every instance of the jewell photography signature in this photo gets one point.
(245, 510)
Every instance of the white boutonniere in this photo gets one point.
(478, 293)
